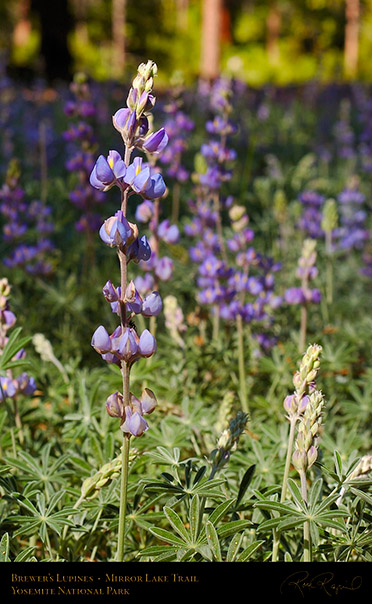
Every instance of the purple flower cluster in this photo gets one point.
(352, 233)
(25, 220)
(124, 346)
(158, 268)
(11, 386)
(81, 138)
(215, 152)
(344, 133)
(311, 218)
(363, 105)
(178, 126)
(252, 282)
(306, 272)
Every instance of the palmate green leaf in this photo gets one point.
(362, 495)
(14, 345)
(276, 506)
(160, 553)
(164, 456)
(194, 518)
(338, 464)
(220, 511)
(249, 551)
(26, 555)
(296, 494)
(208, 488)
(329, 522)
(246, 480)
(234, 547)
(213, 540)
(273, 523)
(315, 491)
(176, 523)
(4, 548)
(229, 528)
(326, 503)
(291, 522)
(28, 526)
(167, 536)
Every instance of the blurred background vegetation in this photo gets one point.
(258, 41)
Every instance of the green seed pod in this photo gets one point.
(330, 216)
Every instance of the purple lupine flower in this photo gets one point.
(116, 230)
(108, 172)
(115, 405)
(101, 341)
(128, 345)
(134, 423)
(110, 293)
(139, 250)
(145, 211)
(156, 142)
(148, 401)
(152, 304)
(294, 295)
(132, 299)
(169, 233)
(164, 268)
(141, 180)
(146, 344)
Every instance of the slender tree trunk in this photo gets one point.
(182, 14)
(211, 38)
(22, 29)
(351, 48)
(118, 36)
(273, 24)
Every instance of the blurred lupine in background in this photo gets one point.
(82, 145)
(310, 221)
(178, 126)
(329, 226)
(305, 295)
(26, 228)
(12, 355)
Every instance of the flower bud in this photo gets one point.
(147, 344)
(115, 405)
(101, 341)
(152, 304)
(148, 401)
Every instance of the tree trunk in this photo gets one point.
(118, 36)
(182, 14)
(211, 38)
(55, 25)
(273, 24)
(351, 48)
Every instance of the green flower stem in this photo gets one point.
(123, 498)
(176, 202)
(303, 329)
(328, 242)
(18, 422)
(307, 537)
(216, 323)
(241, 361)
(288, 458)
(291, 436)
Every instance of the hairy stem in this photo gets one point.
(307, 537)
(291, 436)
(123, 497)
(241, 362)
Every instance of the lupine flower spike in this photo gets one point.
(295, 405)
(124, 346)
